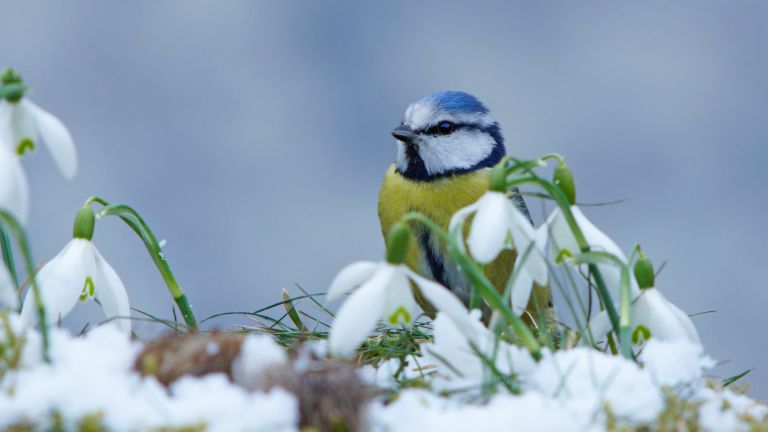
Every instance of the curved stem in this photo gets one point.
(137, 224)
(555, 156)
(95, 199)
(480, 281)
(15, 227)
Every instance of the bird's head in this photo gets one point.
(446, 133)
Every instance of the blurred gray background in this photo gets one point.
(253, 135)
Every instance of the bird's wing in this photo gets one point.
(517, 199)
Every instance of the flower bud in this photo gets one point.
(644, 271)
(84, 224)
(12, 87)
(398, 241)
(563, 178)
(499, 178)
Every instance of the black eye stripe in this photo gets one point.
(435, 129)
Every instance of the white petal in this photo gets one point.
(111, 293)
(56, 137)
(685, 323)
(61, 281)
(490, 227)
(521, 291)
(665, 321)
(445, 302)
(560, 233)
(597, 240)
(19, 125)
(533, 260)
(350, 277)
(14, 190)
(6, 139)
(399, 298)
(359, 314)
(563, 238)
(460, 216)
(599, 326)
(8, 297)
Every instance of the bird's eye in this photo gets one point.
(445, 128)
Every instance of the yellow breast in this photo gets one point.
(439, 200)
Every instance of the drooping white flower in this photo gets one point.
(14, 190)
(652, 310)
(562, 238)
(383, 290)
(454, 353)
(79, 272)
(23, 123)
(498, 225)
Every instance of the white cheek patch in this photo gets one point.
(459, 150)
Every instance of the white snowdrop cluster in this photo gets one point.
(92, 376)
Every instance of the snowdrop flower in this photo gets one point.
(383, 290)
(457, 363)
(563, 239)
(664, 320)
(79, 272)
(499, 224)
(22, 123)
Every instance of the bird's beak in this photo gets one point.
(404, 133)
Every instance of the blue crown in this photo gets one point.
(456, 102)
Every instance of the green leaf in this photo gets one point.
(137, 224)
(728, 381)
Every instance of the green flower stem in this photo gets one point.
(481, 282)
(5, 245)
(625, 319)
(137, 224)
(11, 224)
(555, 156)
(565, 208)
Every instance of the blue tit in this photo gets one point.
(447, 145)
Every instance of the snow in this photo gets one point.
(670, 363)
(93, 375)
(458, 365)
(420, 410)
(567, 390)
(590, 379)
(257, 354)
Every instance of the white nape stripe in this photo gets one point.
(422, 115)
